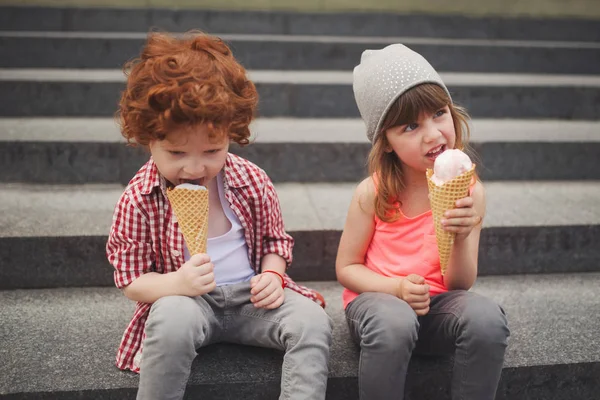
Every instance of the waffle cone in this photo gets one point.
(442, 199)
(191, 209)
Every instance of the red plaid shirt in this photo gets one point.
(144, 236)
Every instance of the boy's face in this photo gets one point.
(190, 156)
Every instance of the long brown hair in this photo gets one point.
(385, 166)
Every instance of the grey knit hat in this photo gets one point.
(382, 76)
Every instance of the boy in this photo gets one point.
(185, 100)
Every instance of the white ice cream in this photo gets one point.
(449, 165)
(190, 186)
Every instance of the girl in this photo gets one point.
(395, 298)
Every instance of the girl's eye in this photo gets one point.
(440, 112)
(175, 153)
(213, 151)
(410, 127)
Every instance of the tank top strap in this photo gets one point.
(225, 204)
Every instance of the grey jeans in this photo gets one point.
(179, 325)
(465, 324)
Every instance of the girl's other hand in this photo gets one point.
(415, 292)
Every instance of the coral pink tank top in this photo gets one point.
(406, 246)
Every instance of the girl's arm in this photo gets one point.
(358, 232)
(466, 220)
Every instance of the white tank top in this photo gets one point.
(228, 252)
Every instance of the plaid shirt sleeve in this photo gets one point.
(129, 246)
(275, 239)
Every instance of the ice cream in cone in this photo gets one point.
(448, 181)
(190, 205)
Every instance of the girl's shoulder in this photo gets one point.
(365, 194)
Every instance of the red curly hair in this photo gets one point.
(181, 82)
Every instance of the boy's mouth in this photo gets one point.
(435, 152)
(199, 181)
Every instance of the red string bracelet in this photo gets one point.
(278, 274)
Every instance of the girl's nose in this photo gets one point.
(431, 133)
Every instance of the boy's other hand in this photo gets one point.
(415, 292)
(196, 276)
(266, 291)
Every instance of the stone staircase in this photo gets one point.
(532, 87)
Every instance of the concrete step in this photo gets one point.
(295, 23)
(61, 344)
(284, 52)
(91, 150)
(48, 232)
(319, 94)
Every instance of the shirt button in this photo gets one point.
(176, 253)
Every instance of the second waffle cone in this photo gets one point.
(443, 198)
(191, 209)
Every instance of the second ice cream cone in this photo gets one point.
(191, 209)
(442, 198)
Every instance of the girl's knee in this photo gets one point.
(390, 328)
(485, 320)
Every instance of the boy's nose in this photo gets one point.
(195, 169)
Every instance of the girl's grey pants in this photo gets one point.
(469, 326)
(178, 325)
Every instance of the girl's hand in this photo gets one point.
(267, 291)
(415, 292)
(462, 219)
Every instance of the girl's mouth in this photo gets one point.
(434, 153)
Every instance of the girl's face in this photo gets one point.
(418, 143)
(190, 156)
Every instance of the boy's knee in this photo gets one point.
(314, 319)
(311, 323)
(319, 321)
(172, 318)
(173, 307)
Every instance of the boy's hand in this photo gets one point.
(415, 292)
(462, 219)
(196, 276)
(267, 291)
